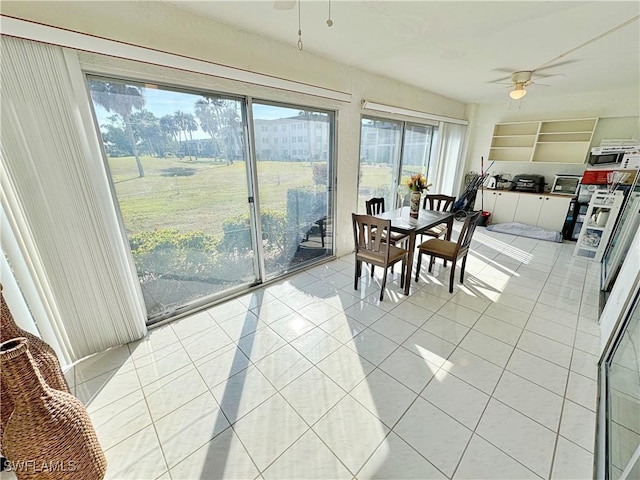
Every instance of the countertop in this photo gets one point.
(544, 194)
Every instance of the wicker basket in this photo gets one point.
(49, 435)
(42, 353)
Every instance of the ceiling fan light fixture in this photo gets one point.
(518, 91)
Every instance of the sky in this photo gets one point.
(166, 102)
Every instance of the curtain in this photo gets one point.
(450, 165)
(58, 203)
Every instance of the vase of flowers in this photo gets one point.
(418, 185)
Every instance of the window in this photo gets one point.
(390, 152)
(179, 165)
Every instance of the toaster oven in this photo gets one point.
(566, 184)
(528, 183)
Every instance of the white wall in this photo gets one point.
(608, 106)
(164, 27)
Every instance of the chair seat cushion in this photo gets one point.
(437, 231)
(396, 237)
(442, 248)
(395, 254)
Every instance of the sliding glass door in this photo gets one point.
(417, 149)
(293, 148)
(380, 146)
(390, 152)
(186, 189)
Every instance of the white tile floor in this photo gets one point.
(311, 379)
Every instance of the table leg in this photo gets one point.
(411, 247)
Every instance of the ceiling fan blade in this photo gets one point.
(500, 80)
(284, 4)
(554, 65)
(504, 69)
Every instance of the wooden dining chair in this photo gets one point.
(448, 250)
(440, 203)
(368, 235)
(375, 206)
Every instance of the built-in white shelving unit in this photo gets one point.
(548, 141)
(595, 233)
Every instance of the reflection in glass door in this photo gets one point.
(177, 162)
(293, 148)
(380, 143)
(623, 401)
(416, 151)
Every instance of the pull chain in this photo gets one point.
(329, 21)
(299, 28)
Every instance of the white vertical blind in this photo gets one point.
(449, 166)
(58, 201)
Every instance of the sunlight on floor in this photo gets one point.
(504, 248)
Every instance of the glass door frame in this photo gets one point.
(627, 296)
(252, 185)
(331, 169)
(397, 171)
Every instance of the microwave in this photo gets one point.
(610, 155)
(566, 184)
(605, 158)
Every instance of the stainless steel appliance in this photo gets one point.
(566, 184)
(528, 183)
(610, 155)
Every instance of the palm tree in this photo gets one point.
(186, 123)
(121, 99)
(169, 127)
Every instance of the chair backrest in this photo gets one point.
(441, 203)
(369, 235)
(466, 234)
(374, 206)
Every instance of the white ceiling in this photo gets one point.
(457, 48)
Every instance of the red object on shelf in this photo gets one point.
(599, 177)
(595, 177)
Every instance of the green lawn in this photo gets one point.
(213, 191)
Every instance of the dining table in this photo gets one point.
(402, 222)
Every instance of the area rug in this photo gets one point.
(522, 230)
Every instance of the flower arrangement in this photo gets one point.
(417, 183)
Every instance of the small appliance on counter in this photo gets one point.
(528, 183)
(564, 184)
(611, 154)
(498, 182)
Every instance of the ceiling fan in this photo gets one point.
(523, 78)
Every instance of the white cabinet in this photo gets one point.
(529, 208)
(542, 210)
(553, 212)
(553, 141)
(501, 204)
(599, 221)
